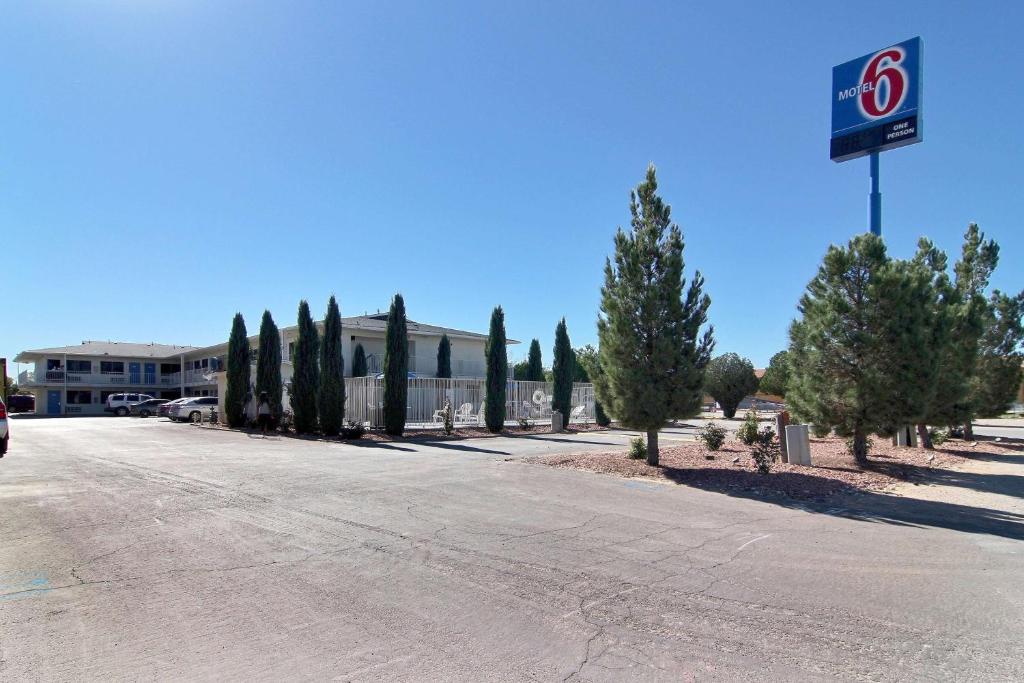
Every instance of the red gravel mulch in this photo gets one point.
(833, 470)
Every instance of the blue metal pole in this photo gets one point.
(876, 198)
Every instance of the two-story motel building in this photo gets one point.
(78, 379)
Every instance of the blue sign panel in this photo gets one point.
(876, 101)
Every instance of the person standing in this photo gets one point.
(263, 412)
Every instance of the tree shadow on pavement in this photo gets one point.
(376, 444)
(538, 437)
(839, 501)
(459, 447)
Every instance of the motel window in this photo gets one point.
(80, 366)
(206, 363)
(112, 367)
(53, 364)
(291, 351)
(79, 398)
(169, 368)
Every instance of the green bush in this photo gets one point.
(820, 431)
(939, 436)
(447, 418)
(353, 430)
(637, 449)
(712, 435)
(765, 449)
(747, 433)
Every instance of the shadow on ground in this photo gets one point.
(868, 506)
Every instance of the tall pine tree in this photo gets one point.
(444, 357)
(563, 368)
(332, 373)
(997, 377)
(396, 368)
(653, 356)
(845, 347)
(359, 362)
(268, 366)
(238, 373)
(534, 365)
(305, 373)
(497, 372)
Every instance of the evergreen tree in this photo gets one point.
(563, 368)
(359, 362)
(729, 379)
(968, 309)
(845, 349)
(652, 355)
(534, 366)
(396, 368)
(520, 371)
(776, 375)
(268, 366)
(497, 372)
(997, 377)
(305, 373)
(238, 373)
(332, 373)
(444, 357)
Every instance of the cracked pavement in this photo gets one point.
(143, 549)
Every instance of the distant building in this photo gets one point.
(78, 379)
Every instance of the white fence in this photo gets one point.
(364, 401)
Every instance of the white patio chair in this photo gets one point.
(464, 413)
(577, 413)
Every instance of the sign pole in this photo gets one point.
(876, 198)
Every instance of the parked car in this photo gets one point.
(121, 404)
(21, 403)
(194, 409)
(165, 409)
(5, 431)
(147, 408)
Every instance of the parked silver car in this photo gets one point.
(121, 404)
(195, 409)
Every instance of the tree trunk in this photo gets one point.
(652, 447)
(968, 432)
(925, 437)
(860, 447)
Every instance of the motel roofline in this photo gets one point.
(116, 349)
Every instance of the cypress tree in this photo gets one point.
(534, 366)
(562, 368)
(396, 368)
(268, 365)
(652, 353)
(332, 373)
(359, 362)
(238, 373)
(305, 374)
(444, 357)
(729, 380)
(497, 372)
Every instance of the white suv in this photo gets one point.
(195, 409)
(5, 433)
(120, 404)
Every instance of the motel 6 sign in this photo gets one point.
(876, 101)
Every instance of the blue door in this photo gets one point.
(53, 402)
(151, 373)
(134, 376)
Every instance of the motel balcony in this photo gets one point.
(141, 378)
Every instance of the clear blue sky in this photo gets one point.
(165, 164)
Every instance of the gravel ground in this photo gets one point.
(833, 470)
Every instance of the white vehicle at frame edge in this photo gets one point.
(195, 409)
(5, 431)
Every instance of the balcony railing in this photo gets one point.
(140, 378)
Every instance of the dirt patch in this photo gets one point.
(833, 470)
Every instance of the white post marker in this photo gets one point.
(798, 444)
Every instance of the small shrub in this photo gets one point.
(447, 417)
(938, 436)
(765, 450)
(955, 432)
(353, 430)
(524, 424)
(747, 433)
(820, 431)
(637, 449)
(712, 435)
(868, 444)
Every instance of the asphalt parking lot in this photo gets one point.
(142, 549)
